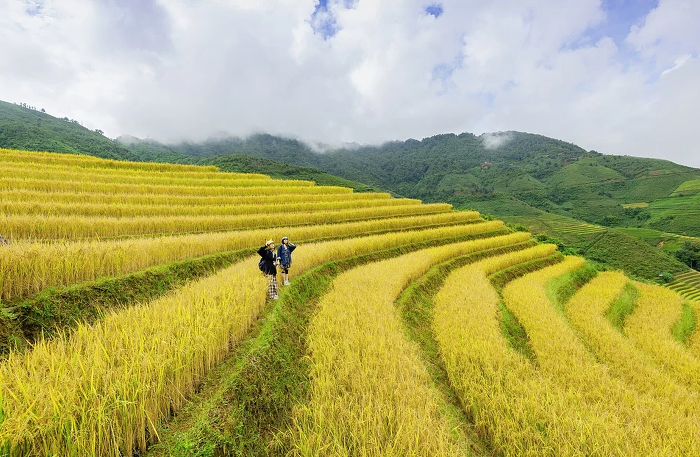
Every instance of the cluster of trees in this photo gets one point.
(73, 121)
(689, 254)
(26, 106)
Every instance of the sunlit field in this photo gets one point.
(135, 321)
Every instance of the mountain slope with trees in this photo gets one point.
(509, 173)
(26, 127)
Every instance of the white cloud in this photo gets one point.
(180, 69)
(496, 140)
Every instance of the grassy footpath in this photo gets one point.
(684, 328)
(622, 307)
(22, 321)
(245, 404)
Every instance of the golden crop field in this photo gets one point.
(134, 321)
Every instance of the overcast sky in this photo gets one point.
(617, 76)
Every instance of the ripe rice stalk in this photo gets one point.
(52, 208)
(100, 390)
(47, 185)
(518, 409)
(648, 424)
(27, 268)
(76, 175)
(78, 198)
(649, 326)
(37, 227)
(84, 161)
(76, 169)
(587, 310)
(371, 393)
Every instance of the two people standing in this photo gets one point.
(269, 261)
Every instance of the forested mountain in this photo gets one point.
(509, 173)
(26, 127)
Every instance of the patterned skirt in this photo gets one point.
(272, 286)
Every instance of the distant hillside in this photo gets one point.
(505, 174)
(509, 173)
(33, 130)
(281, 170)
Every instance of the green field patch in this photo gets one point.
(618, 250)
(583, 171)
(692, 186)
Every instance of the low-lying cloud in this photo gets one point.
(496, 140)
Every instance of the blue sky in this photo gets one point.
(621, 15)
(617, 76)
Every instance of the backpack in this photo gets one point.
(261, 265)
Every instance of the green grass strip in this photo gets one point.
(560, 290)
(250, 402)
(511, 328)
(684, 328)
(622, 307)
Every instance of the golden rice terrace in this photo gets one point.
(134, 321)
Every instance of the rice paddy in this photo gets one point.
(349, 374)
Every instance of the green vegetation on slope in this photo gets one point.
(689, 187)
(611, 248)
(32, 130)
(281, 170)
(584, 171)
(616, 250)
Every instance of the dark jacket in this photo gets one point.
(284, 253)
(270, 259)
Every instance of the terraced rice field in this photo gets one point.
(689, 187)
(687, 285)
(580, 229)
(635, 205)
(559, 226)
(141, 326)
